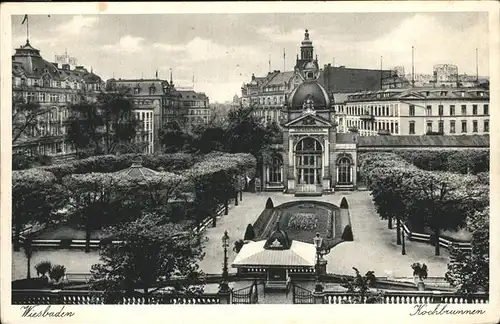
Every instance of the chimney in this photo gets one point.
(65, 67)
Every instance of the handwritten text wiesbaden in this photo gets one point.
(37, 311)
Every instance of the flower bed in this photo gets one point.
(303, 221)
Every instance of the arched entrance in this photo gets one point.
(344, 171)
(309, 157)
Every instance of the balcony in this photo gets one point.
(367, 117)
(383, 132)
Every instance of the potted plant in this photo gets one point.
(238, 245)
(43, 268)
(57, 273)
(420, 272)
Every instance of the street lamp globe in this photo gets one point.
(318, 241)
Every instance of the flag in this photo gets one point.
(25, 19)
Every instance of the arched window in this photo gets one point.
(344, 171)
(309, 161)
(276, 170)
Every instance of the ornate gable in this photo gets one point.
(309, 120)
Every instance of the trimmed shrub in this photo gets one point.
(43, 268)
(269, 203)
(249, 233)
(347, 234)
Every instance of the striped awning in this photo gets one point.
(300, 254)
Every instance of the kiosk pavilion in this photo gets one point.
(278, 256)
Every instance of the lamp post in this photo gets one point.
(225, 244)
(318, 242)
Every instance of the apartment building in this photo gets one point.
(54, 87)
(417, 111)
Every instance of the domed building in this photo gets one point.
(315, 158)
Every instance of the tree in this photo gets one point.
(36, 197)
(249, 233)
(469, 270)
(174, 139)
(98, 200)
(104, 124)
(443, 200)
(25, 118)
(150, 253)
(208, 139)
(28, 252)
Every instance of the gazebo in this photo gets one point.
(137, 169)
(278, 257)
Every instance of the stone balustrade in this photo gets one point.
(77, 297)
(408, 297)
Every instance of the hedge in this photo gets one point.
(459, 161)
(111, 163)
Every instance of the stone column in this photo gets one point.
(225, 297)
(318, 297)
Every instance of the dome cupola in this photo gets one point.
(309, 95)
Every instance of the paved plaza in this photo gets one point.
(374, 246)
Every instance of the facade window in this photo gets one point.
(344, 171)
(275, 170)
(486, 126)
(486, 109)
(429, 127)
(429, 110)
(441, 127)
(411, 128)
(412, 110)
(452, 127)
(440, 110)
(464, 126)
(464, 110)
(474, 110)
(474, 126)
(452, 110)
(31, 97)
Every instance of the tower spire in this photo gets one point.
(269, 62)
(26, 20)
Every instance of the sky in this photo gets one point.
(223, 50)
